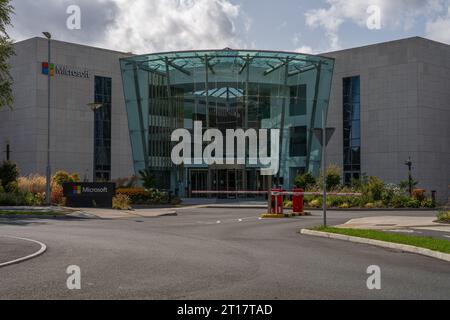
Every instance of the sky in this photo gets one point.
(308, 26)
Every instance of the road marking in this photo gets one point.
(219, 222)
(240, 220)
(33, 255)
(447, 237)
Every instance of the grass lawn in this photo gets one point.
(434, 244)
(30, 213)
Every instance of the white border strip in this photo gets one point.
(31, 256)
(379, 243)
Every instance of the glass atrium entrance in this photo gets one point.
(226, 89)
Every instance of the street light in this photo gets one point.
(324, 135)
(49, 77)
(410, 184)
(94, 107)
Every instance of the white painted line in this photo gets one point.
(219, 222)
(240, 220)
(37, 253)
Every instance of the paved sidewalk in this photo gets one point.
(397, 223)
(95, 213)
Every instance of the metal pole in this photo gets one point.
(324, 166)
(269, 194)
(410, 176)
(93, 151)
(49, 171)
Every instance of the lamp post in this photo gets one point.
(409, 164)
(94, 107)
(324, 135)
(49, 77)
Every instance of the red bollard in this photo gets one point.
(297, 201)
(277, 202)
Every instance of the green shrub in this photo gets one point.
(147, 178)
(427, 203)
(389, 193)
(373, 189)
(404, 185)
(444, 216)
(335, 201)
(413, 203)
(333, 177)
(305, 181)
(19, 199)
(61, 177)
(121, 202)
(379, 204)
(145, 197)
(315, 203)
(287, 203)
(399, 201)
(8, 176)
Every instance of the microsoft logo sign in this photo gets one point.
(76, 190)
(54, 69)
(46, 68)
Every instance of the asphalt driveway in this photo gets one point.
(212, 254)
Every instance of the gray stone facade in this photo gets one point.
(405, 110)
(72, 122)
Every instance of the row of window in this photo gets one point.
(102, 131)
(352, 128)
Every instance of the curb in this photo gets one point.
(31, 256)
(377, 209)
(379, 243)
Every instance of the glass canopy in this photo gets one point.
(225, 89)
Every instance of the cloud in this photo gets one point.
(439, 28)
(306, 50)
(398, 14)
(33, 16)
(140, 26)
(145, 26)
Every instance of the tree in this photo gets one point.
(6, 51)
(8, 175)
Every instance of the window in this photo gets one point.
(298, 142)
(102, 132)
(297, 106)
(352, 128)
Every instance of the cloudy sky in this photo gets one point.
(144, 26)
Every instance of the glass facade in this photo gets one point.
(102, 130)
(225, 89)
(352, 128)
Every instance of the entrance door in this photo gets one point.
(199, 181)
(231, 183)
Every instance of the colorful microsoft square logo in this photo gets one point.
(46, 68)
(76, 189)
